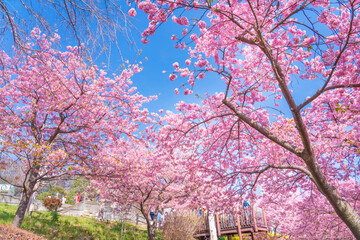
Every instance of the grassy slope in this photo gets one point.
(71, 227)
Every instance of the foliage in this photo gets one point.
(80, 185)
(52, 203)
(180, 225)
(52, 191)
(69, 227)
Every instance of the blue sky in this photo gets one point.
(160, 54)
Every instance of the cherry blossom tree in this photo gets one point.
(57, 112)
(145, 176)
(297, 57)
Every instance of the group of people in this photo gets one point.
(160, 219)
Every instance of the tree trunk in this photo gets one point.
(342, 208)
(151, 225)
(212, 226)
(20, 213)
(29, 185)
(151, 232)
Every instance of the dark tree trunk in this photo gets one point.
(20, 213)
(29, 186)
(151, 225)
(342, 208)
(151, 232)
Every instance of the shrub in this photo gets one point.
(52, 203)
(180, 225)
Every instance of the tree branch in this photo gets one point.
(255, 125)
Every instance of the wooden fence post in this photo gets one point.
(238, 226)
(264, 216)
(218, 224)
(254, 219)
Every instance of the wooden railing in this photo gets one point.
(204, 223)
(248, 219)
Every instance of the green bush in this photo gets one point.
(52, 191)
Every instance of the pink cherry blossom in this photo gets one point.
(176, 65)
(57, 110)
(144, 41)
(132, 12)
(172, 77)
(202, 24)
(248, 142)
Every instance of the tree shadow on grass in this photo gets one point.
(42, 225)
(131, 232)
(6, 217)
(134, 232)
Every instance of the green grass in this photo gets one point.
(68, 227)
